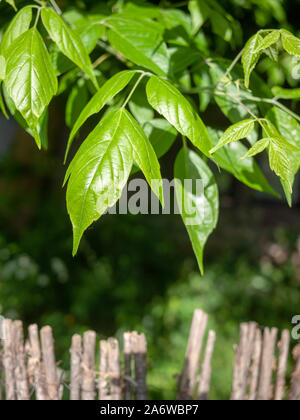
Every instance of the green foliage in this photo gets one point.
(67, 41)
(236, 132)
(199, 212)
(30, 79)
(165, 60)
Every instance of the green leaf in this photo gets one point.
(259, 147)
(221, 26)
(290, 43)
(42, 125)
(285, 145)
(19, 24)
(203, 80)
(77, 99)
(110, 88)
(269, 40)
(233, 110)
(139, 106)
(2, 105)
(251, 56)
(68, 41)
(289, 129)
(100, 170)
(139, 42)
(282, 93)
(2, 68)
(30, 78)
(199, 11)
(199, 209)
(182, 57)
(90, 33)
(280, 164)
(143, 154)
(236, 132)
(246, 171)
(161, 135)
(170, 103)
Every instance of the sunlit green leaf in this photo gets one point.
(68, 41)
(199, 209)
(170, 103)
(143, 154)
(236, 132)
(139, 42)
(30, 78)
(246, 171)
(259, 147)
(279, 163)
(113, 86)
(2, 68)
(99, 173)
(19, 24)
(289, 129)
(290, 43)
(267, 41)
(251, 56)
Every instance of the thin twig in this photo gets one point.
(55, 6)
(101, 59)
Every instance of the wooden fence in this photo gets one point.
(28, 367)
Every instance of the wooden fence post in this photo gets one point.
(204, 383)
(36, 364)
(294, 394)
(127, 366)
(252, 376)
(49, 362)
(242, 360)
(139, 349)
(265, 390)
(187, 380)
(282, 364)
(88, 366)
(76, 358)
(9, 360)
(255, 366)
(22, 386)
(103, 390)
(114, 367)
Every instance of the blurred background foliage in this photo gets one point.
(139, 272)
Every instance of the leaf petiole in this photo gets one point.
(133, 89)
(55, 7)
(37, 17)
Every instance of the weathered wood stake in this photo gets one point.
(36, 364)
(9, 360)
(22, 386)
(49, 362)
(88, 366)
(265, 388)
(204, 383)
(283, 345)
(187, 380)
(76, 358)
